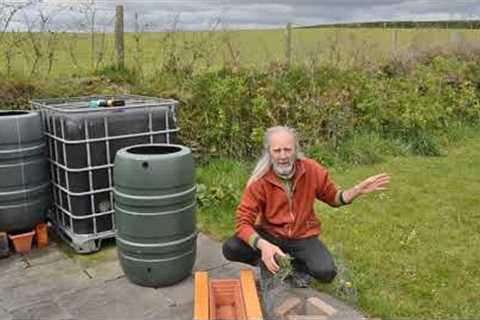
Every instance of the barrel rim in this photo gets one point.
(16, 113)
(157, 150)
(125, 153)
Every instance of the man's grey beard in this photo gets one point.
(285, 170)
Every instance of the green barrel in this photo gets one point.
(154, 192)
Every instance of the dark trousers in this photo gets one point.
(310, 254)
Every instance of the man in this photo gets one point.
(276, 213)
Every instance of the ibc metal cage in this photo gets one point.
(82, 143)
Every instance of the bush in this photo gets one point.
(118, 75)
(341, 114)
(226, 113)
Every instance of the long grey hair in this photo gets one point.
(265, 162)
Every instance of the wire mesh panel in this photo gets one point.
(82, 142)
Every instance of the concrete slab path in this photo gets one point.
(55, 284)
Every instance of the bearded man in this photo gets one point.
(276, 213)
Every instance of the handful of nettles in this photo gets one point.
(286, 268)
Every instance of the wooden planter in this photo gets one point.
(226, 299)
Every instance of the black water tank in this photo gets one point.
(82, 155)
(24, 178)
(82, 143)
(154, 192)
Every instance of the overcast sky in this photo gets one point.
(239, 14)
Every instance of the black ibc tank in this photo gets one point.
(154, 191)
(87, 146)
(24, 178)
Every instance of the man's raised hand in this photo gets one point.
(373, 183)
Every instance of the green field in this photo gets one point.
(410, 252)
(64, 54)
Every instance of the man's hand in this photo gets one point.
(268, 254)
(374, 183)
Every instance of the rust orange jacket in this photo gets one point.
(266, 205)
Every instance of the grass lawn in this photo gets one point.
(411, 251)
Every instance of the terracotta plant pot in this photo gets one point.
(41, 235)
(22, 242)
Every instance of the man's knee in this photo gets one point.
(232, 248)
(228, 249)
(323, 274)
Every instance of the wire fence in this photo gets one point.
(37, 39)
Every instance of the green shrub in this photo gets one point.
(226, 113)
(423, 143)
(118, 75)
(407, 107)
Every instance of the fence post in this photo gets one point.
(288, 44)
(137, 26)
(394, 42)
(119, 37)
(92, 40)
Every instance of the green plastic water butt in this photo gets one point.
(154, 193)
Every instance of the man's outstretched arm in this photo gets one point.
(371, 184)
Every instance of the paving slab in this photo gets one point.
(38, 284)
(54, 283)
(180, 312)
(111, 300)
(344, 311)
(49, 255)
(108, 271)
(274, 297)
(209, 254)
(12, 264)
(89, 303)
(40, 310)
(4, 314)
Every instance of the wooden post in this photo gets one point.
(92, 39)
(288, 44)
(137, 26)
(119, 37)
(394, 42)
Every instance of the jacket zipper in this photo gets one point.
(290, 204)
(290, 208)
(289, 198)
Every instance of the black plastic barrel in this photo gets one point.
(154, 193)
(24, 177)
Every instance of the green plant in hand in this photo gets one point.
(286, 268)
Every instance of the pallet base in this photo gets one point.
(83, 244)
